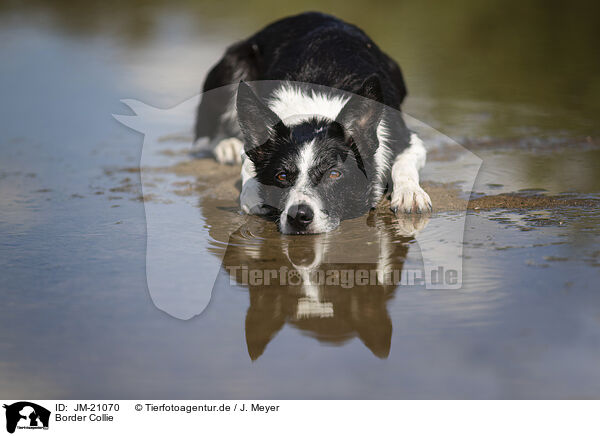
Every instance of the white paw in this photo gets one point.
(409, 197)
(229, 151)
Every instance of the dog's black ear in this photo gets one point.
(361, 115)
(257, 121)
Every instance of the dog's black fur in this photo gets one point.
(311, 48)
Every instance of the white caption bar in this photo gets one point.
(302, 417)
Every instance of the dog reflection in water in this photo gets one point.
(332, 286)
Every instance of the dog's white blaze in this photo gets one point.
(305, 162)
(302, 191)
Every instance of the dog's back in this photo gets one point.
(310, 48)
(323, 50)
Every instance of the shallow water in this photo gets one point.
(79, 320)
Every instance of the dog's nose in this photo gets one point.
(300, 215)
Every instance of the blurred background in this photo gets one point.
(539, 56)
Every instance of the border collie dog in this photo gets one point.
(313, 117)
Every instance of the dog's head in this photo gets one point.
(315, 172)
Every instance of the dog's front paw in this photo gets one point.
(229, 151)
(409, 197)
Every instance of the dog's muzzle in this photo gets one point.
(299, 216)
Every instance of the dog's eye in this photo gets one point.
(335, 174)
(281, 176)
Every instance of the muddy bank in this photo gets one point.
(517, 201)
(207, 178)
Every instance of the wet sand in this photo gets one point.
(222, 182)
